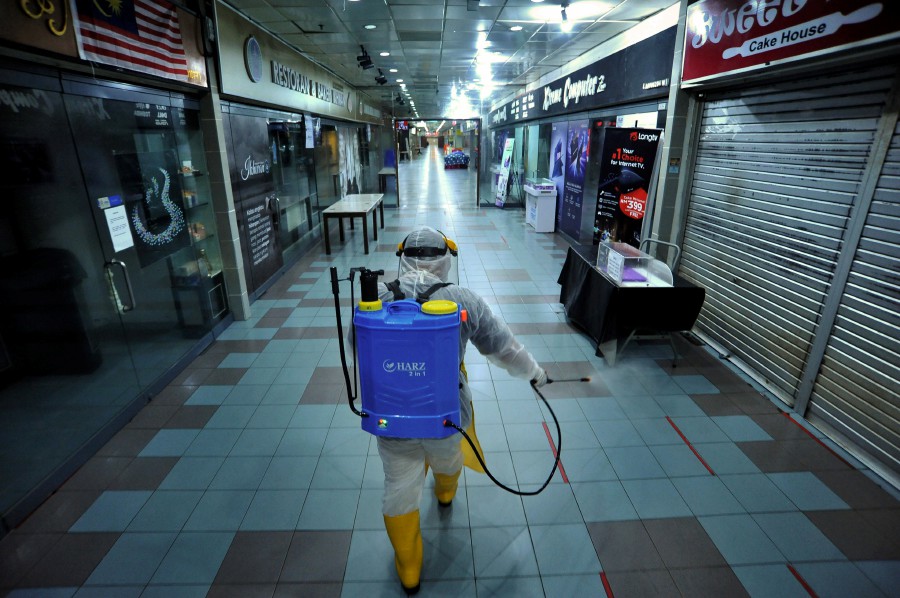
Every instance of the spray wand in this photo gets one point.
(368, 287)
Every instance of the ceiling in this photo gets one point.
(441, 49)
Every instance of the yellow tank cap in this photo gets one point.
(370, 305)
(439, 307)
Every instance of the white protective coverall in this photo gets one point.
(404, 459)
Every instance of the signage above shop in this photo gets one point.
(637, 72)
(730, 36)
(259, 67)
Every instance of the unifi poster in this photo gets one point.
(627, 164)
(557, 168)
(576, 153)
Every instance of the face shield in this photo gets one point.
(427, 250)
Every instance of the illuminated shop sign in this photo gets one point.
(728, 36)
(640, 71)
(289, 78)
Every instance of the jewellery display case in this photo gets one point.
(627, 266)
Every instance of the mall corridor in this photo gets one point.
(249, 476)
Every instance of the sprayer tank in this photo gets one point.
(408, 357)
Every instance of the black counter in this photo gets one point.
(611, 315)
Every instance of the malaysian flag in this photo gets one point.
(141, 35)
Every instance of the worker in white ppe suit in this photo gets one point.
(425, 263)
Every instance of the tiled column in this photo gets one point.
(223, 200)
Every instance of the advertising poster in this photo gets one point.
(576, 158)
(503, 177)
(254, 186)
(151, 190)
(627, 165)
(557, 168)
(348, 161)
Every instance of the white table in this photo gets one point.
(354, 206)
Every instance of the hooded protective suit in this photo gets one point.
(426, 261)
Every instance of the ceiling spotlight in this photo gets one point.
(364, 60)
(565, 17)
(398, 99)
(370, 26)
(380, 79)
(516, 28)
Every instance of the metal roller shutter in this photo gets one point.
(856, 391)
(776, 173)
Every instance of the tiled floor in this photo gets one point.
(248, 476)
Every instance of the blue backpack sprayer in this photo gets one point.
(408, 356)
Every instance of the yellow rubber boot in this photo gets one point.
(406, 538)
(445, 487)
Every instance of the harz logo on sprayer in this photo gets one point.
(413, 368)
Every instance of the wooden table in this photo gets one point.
(354, 206)
(383, 174)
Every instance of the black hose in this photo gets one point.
(484, 466)
(351, 395)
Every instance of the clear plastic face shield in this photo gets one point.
(428, 250)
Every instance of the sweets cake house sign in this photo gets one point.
(732, 36)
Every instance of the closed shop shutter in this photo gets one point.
(856, 390)
(777, 171)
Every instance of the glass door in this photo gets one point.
(148, 193)
(293, 192)
(66, 368)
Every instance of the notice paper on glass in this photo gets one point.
(310, 131)
(117, 221)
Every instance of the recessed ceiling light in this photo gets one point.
(384, 54)
(370, 26)
(516, 28)
(399, 80)
(392, 70)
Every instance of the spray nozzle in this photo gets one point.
(368, 281)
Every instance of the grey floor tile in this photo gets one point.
(503, 552)
(194, 558)
(564, 549)
(740, 540)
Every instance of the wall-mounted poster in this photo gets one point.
(627, 166)
(576, 158)
(151, 190)
(557, 168)
(503, 176)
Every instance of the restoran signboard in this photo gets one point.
(729, 36)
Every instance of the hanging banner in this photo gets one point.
(503, 177)
(730, 36)
(627, 166)
(576, 152)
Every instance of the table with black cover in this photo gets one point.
(611, 315)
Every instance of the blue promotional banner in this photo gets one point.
(557, 168)
(576, 158)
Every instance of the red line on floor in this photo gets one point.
(811, 435)
(690, 446)
(802, 581)
(609, 592)
(562, 470)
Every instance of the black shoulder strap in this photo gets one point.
(426, 295)
(394, 287)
